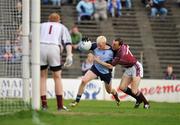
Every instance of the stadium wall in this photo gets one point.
(154, 90)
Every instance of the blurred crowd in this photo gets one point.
(102, 9)
(11, 49)
(97, 10)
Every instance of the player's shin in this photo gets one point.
(115, 95)
(59, 99)
(141, 96)
(44, 102)
(75, 102)
(78, 98)
(129, 92)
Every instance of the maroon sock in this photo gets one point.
(116, 97)
(141, 97)
(59, 99)
(43, 101)
(129, 92)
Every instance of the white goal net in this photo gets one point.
(11, 56)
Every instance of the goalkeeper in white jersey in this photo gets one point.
(52, 35)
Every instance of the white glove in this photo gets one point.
(69, 61)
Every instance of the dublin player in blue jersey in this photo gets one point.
(105, 53)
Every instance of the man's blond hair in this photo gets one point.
(54, 17)
(101, 39)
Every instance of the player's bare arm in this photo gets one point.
(103, 63)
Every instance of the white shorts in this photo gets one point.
(135, 71)
(50, 55)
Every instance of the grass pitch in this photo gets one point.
(98, 113)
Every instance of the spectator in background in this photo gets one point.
(76, 37)
(66, 2)
(75, 1)
(12, 51)
(145, 2)
(87, 64)
(19, 8)
(85, 10)
(158, 7)
(18, 44)
(169, 73)
(114, 8)
(19, 34)
(44, 2)
(93, 2)
(56, 2)
(8, 54)
(100, 10)
(178, 2)
(127, 4)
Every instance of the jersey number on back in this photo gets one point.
(128, 51)
(50, 29)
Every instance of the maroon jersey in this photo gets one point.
(124, 57)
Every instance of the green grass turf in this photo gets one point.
(98, 113)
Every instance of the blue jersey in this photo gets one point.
(104, 55)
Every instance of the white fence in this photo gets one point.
(154, 90)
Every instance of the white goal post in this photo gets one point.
(19, 62)
(35, 60)
(25, 49)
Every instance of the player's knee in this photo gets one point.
(122, 88)
(56, 76)
(43, 75)
(108, 91)
(84, 81)
(134, 91)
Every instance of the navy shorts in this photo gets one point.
(104, 77)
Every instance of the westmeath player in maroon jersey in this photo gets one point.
(132, 74)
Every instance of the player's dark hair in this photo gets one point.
(120, 41)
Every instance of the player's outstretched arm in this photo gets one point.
(103, 63)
